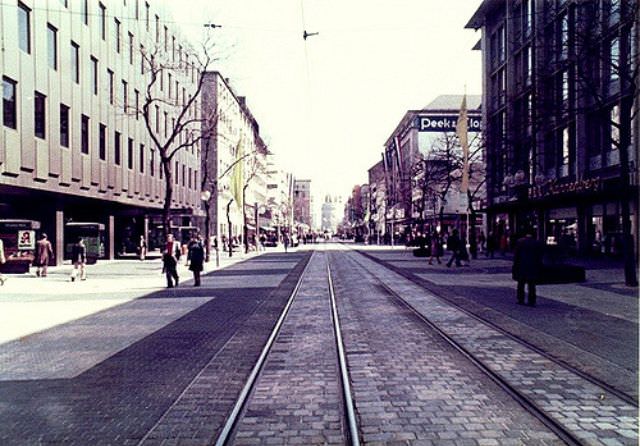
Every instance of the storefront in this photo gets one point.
(581, 218)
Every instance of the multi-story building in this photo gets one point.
(302, 202)
(234, 162)
(560, 80)
(329, 214)
(73, 144)
(377, 202)
(423, 162)
(278, 209)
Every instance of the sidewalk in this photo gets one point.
(29, 304)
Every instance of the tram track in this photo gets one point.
(351, 433)
(630, 399)
(563, 428)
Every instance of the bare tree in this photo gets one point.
(255, 167)
(182, 127)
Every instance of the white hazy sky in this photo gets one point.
(327, 105)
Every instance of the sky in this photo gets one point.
(327, 104)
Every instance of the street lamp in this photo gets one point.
(205, 196)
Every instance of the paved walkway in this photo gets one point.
(29, 304)
(592, 326)
(130, 372)
(592, 414)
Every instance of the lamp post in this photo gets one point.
(205, 196)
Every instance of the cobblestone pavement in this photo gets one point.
(410, 386)
(176, 372)
(297, 397)
(592, 326)
(589, 412)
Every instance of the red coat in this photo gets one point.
(44, 252)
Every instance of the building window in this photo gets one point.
(614, 60)
(110, 75)
(152, 163)
(24, 28)
(116, 35)
(142, 55)
(166, 124)
(103, 21)
(102, 136)
(85, 11)
(166, 39)
(157, 29)
(146, 19)
(84, 134)
(137, 9)
(137, 96)
(157, 119)
(130, 49)
(176, 170)
(52, 46)
(614, 123)
(75, 62)
(125, 98)
(94, 74)
(169, 85)
(117, 153)
(141, 165)
(40, 115)
(9, 113)
(64, 125)
(566, 151)
(184, 175)
(130, 153)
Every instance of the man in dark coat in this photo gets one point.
(453, 245)
(527, 267)
(195, 257)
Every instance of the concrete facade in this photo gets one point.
(234, 156)
(76, 148)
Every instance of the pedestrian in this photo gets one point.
(463, 253)
(483, 241)
(504, 243)
(170, 257)
(453, 244)
(527, 267)
(43, 253)
(142, 248)
(436, 248)
(263, 240)
(491, 244)
(79, 260)
(473, 244)
(195, 258)
(285, 241)
(3, 260)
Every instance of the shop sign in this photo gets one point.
(26, 240)
(446, 123)
(553, 188)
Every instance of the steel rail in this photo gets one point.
(344, 374)
(566, 436)
(251, 380)
(584, 375)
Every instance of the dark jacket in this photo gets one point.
(453, 243)
(527, 260)
(195, 256)
(78, 253)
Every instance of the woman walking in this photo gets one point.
(436, 247)
(44, 252)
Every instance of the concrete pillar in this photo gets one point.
(145, 231)
(59, 237)
(111, 251)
